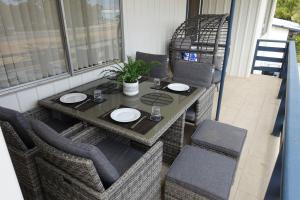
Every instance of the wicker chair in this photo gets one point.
(67, 176)
(158, 70)
(23, 156)
(190, 73)
(202, 40)
(197, 48)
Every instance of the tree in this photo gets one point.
(288, 10)
(296, 15)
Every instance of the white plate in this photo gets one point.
(125, 115)
(178, 87)
(73, 98)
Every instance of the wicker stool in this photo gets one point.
(200, 174)
(219, 137)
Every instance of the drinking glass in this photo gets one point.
(155, 114)
(156, 82)
(98, 96)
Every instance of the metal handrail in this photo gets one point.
(290, 189)
(285, 180)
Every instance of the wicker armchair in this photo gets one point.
(65, 176)
(23, 157)
(201, 40)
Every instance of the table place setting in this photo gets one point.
(176, 88)
(81, 101)
(133, 119)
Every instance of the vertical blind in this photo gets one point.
(94, 31)
(31, 43)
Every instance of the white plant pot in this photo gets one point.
(131, 89)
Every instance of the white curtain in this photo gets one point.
(94, 31)
(30, 41)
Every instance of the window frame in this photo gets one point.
(68, 57)
(271, 5)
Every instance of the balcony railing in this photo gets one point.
(285, 180)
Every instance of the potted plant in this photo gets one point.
(129, 74)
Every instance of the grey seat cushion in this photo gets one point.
(190, 114)
(121, 156)
(204, 172)
(107, 172)
(217, 76)
(59, 125)
(19, 123)
(159, 70)
(193, 73)
(208, 58)
(220, 137)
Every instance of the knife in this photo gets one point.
(82, 103)
(134, 125)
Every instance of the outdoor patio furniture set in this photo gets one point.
(67, 152)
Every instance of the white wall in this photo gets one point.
(9, 186)
(247, 26)
(278, 33)
(27, 99)
(148, 26)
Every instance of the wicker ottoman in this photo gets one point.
(219, 137)
(200, 174)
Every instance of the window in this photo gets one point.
(30, 42)
(94, 31)
(33, 45)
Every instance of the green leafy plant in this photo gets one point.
(131, 71)
(290, 10)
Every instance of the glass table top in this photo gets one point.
(170, 112)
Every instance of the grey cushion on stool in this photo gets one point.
(201, 173)
(190, 114)
(220, 137)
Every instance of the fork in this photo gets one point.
(108, 112)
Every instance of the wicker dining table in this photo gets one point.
(170, 129)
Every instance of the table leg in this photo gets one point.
(173, 140)
(204, 105)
